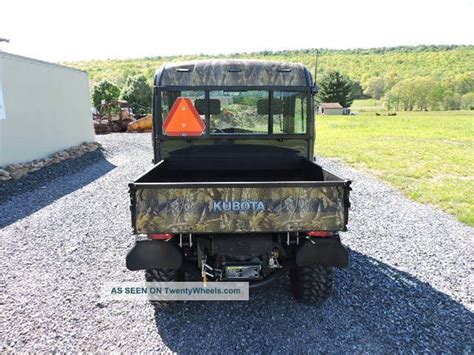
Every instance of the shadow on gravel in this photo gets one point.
(42, 187)
(374, 308)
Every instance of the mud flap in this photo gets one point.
(150, 254)
(323, 251)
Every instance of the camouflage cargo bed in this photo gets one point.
(218, 198)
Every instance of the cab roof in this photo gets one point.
(233, 73)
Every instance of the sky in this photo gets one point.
(72, 30)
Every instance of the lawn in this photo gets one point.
(427, 155)
(367, 105)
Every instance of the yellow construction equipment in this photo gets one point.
(143, 124)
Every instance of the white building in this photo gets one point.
(44, 108)
(330, 108)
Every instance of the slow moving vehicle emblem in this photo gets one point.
(183, 119)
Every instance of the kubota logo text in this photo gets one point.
(238, 206)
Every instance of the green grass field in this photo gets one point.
(427, 155)
(368, 105)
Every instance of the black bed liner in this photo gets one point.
(216, 170)
(233, 163)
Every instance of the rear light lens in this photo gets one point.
(158, 236)
(320, 234)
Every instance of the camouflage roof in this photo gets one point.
(233, 73)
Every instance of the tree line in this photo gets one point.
(405, 78)
(416, 93)
(425, 93)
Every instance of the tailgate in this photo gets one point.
(240, 207)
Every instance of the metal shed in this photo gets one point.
(44, 108)
(330, 108)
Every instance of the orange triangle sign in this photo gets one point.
(183, 119)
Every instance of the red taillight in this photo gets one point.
(157, 236)
(320, 234)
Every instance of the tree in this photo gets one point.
(357, 92)
(335, 87)
(436, 97)
(464, 83)
(402, 94)
(418, 93)
(468, 101)
(422, 88)
(138, 93)
(452, 101)
(104, 90)
(375, 87)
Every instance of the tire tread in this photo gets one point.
(311, 284)
(162, 275)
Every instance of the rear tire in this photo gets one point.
(163, 275)
(311, 284)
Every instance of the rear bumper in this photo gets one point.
(150, 254)
(322, 251)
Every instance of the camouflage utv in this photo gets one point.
(235, 194)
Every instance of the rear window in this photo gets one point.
(289, 112)
(242, 112)
(239, 112)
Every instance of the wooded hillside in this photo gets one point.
(448, 71)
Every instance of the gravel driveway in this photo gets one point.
(66, 230)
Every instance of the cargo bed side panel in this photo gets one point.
(239, 209)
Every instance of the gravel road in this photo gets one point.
(66, 230)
